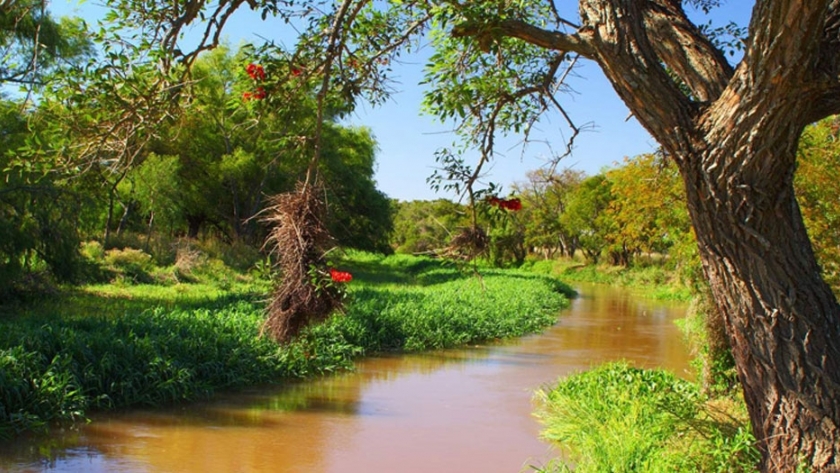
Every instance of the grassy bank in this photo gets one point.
(102, 347)
(654, 280)
(622, 419)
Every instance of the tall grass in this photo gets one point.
(621, 419)
(108, 346)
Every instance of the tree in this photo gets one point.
(360, 215)
(33, 43)
(647, 212)
(544, 199)
(734, 139)
(817, 187)
(426, 226)
(585, 215)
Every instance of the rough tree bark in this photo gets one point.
(734, 140)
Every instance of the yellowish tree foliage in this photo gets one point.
(817, 189)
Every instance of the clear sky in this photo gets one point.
(408, 140)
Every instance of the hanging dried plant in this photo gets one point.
(468, 244)
(306, 291)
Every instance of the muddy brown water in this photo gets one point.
(465, 410)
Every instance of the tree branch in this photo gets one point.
(688, 52)
(624, 50)
(785, 46)
(526, 32)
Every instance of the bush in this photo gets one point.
(130, 263)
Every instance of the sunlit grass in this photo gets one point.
(106, 346)
(651, 280)
(622, 419)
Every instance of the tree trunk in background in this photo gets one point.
(194, 223)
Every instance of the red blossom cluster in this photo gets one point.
(340, 276)
(258, 94)
(506, 204)
(255, 71)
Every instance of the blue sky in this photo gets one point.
(408, 140)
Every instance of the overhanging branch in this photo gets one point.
(526, 32)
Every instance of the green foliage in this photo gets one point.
(622, 419)
(647, 212)
(421, 227)
(654, 279)
(584, 215)
(39, 211)
(33, 43)
(117, 346)
(155, 186)
(545, 196)
(130, 263)
(817, 183)
(706, 337)
(360, 215)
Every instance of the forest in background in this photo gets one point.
(209, 173)
(205, 171)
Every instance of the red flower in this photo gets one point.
(255, 71)
(340, 276)
(258, 94)
(295, 71)
(512, 204)
(507, 204)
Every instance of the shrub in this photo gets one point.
(130, 263)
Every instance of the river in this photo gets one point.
(464, 410)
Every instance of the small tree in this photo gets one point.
(585, 215)
(545, 199)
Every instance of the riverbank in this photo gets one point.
(654, 280)
(103, 347)
(616, 417)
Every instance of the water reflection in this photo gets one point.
(447, 411)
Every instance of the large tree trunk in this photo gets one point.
(782, 320)
(734, 138)
(735, 143)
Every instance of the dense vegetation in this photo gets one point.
(632, 213)
(100, 347)
(623, 419)
(204, 172)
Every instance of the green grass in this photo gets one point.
(107, 346)
(651, 280)
(621, 419)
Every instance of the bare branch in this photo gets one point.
(624, 50)
(559, 19)
(333, 49)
